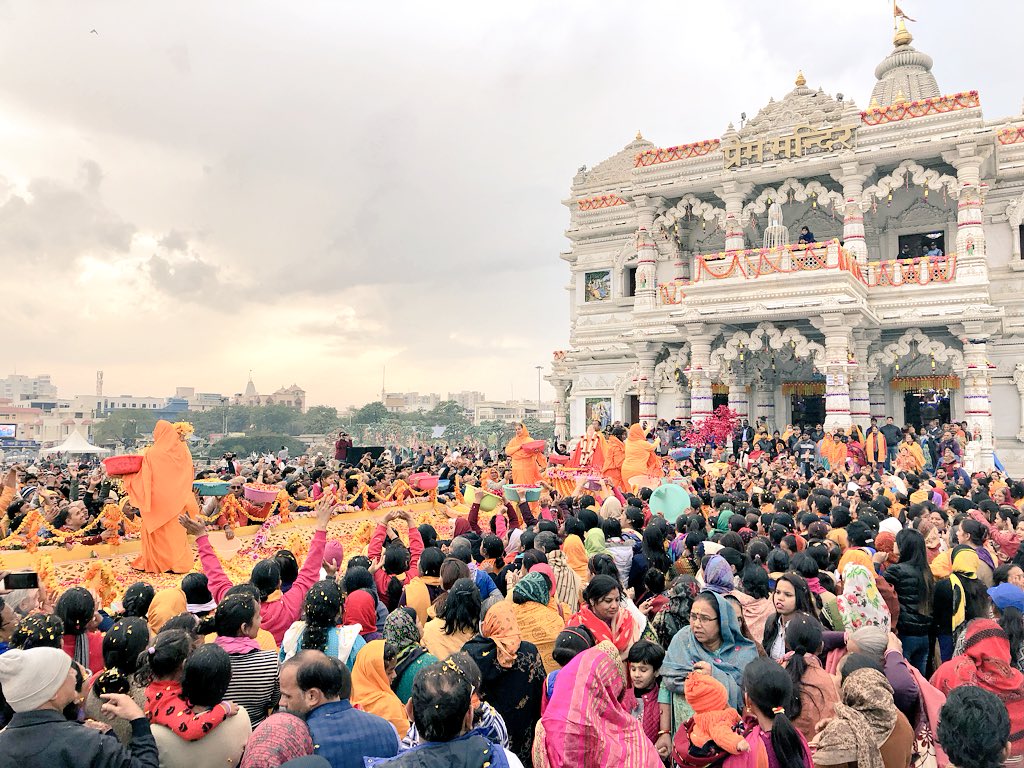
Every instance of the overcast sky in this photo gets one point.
(316, 190)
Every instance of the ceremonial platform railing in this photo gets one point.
(754, 263)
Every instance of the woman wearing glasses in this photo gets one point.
(712, 644)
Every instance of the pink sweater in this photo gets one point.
(278, 615)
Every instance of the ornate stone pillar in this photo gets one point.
(860, 377)
(763, 395)
(700, 336)
(876, 395)
(971, 252)
(852, 177)
(733, 193)
(738, 399)
(683, 404)
(561, 409)
(646, 297)
(974, 335)
(836, 329)
(1018, 379)
(646, 387)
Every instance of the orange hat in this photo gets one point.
(704, 693)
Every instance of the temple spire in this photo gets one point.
(801, 81)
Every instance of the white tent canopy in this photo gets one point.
(74, 443)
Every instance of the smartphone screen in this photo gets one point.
(24, 580)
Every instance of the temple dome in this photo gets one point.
(801, 106)
(905, 74)
(617, 168)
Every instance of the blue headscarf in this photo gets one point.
(727, 663)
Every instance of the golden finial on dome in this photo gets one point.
(801, 81)
(902, 36)
(639, 136)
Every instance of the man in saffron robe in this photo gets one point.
(639, 456)
(526, 465)
(613, 459)
(162, 490)
(590, 450)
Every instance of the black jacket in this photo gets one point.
(43, 737)
(907, 583)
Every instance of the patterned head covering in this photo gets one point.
(861, 605)
(275, 741)
(533, 587)
(500, 626)
(866, 708)
(718, 575)
(400, 630)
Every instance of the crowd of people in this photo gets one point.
(798, 607)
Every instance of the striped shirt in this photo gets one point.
(567, 581)
(254, 683)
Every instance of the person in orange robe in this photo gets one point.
(590, 450)
(526, 466)
(162, 490)
(614, 457)
(639, 456)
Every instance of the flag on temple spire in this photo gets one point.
(898, 13)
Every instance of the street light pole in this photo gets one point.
(539, 368)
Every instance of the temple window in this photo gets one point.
(629, 282)
(919, 244)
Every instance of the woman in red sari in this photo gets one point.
(162, 490)
(603, 614)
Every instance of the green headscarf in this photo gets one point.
(594, 542)
(532, 587)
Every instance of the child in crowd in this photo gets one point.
(645, 660)
(163, 664)
(713, 727)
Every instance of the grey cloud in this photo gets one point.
(57, 222)
(174, 241)
(191, 279)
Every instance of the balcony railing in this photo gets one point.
(752, 263)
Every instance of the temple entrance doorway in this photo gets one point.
(922, 405)
(633, 403)
(807, 410)
(717, 400)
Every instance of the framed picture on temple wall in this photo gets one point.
(597, 286)
(599, 409)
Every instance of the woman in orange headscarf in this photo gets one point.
(639, 456)
(162, 490)
(525, 465)
(613, 458)
(371, 689)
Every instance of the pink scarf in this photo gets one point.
(237, 645)
(815, 586)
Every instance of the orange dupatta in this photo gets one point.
(371, 691)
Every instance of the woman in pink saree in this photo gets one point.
(587, 723)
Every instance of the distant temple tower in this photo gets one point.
(99, 383)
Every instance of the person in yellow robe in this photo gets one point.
(162, 490)
(916, 454)
(526, 465)
(639, 457)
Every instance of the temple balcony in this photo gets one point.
(804, 265)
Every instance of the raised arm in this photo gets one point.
(219, 581)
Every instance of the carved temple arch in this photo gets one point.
(668, 371)
(697, 208)
(766, 336)
(891, 353)
(800, 193)
(909, 171)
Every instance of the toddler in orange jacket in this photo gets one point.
(713, 719)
